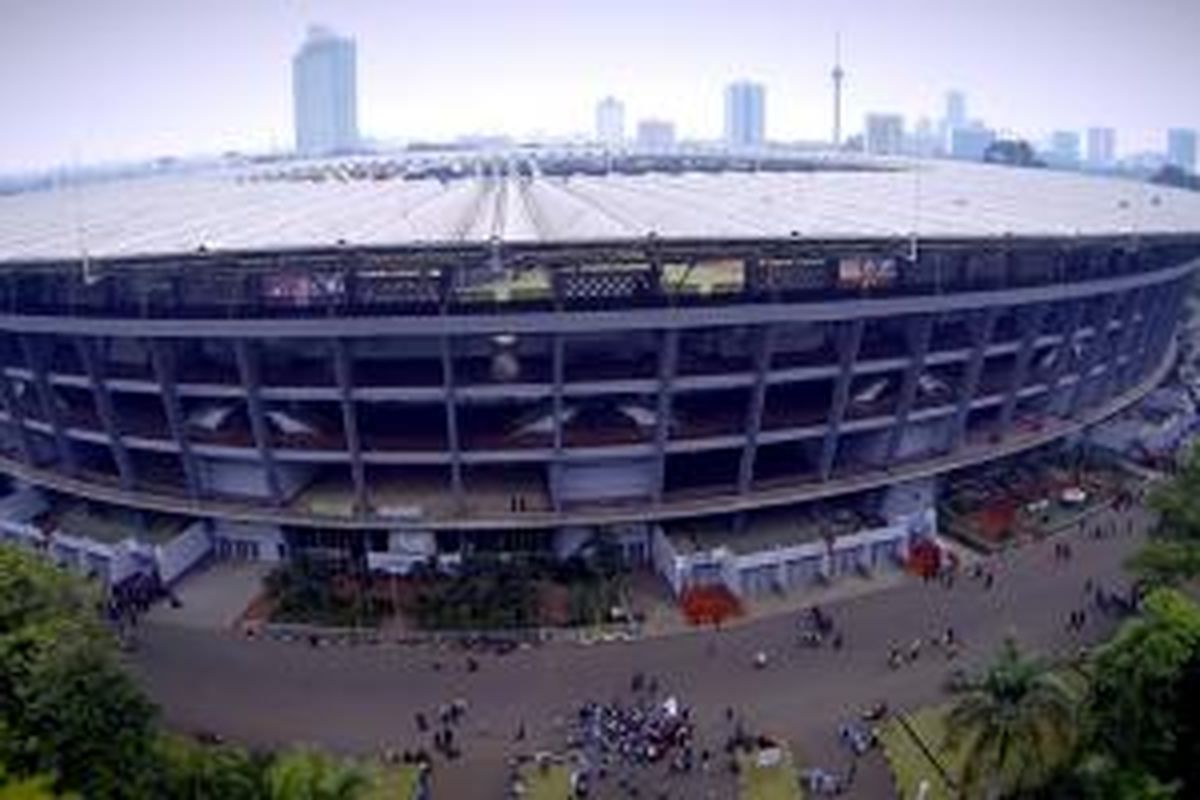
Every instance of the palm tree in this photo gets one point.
(1011, 728)
(308, 775)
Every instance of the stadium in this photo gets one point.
(683, 355)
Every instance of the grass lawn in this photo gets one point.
(909, 762)
(396, 783)
(778, 782)
(552, 783)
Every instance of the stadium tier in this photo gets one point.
(539, 341)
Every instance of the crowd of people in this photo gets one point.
(448, 718)
(612, 737)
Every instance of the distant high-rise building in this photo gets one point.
(745, 114)
(610, 121)
(884, 134)
(1101, 148)
(971, 141)
(954, 117)
(924, 139)
(1064, 149)
(655, 134)
(1181, 148)
(956, 110)
(324, 94)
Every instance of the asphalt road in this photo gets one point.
(363, 699)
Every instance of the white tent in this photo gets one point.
(211, 418)
(289, 424)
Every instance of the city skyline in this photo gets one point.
(672, 67)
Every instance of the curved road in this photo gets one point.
(364, 698)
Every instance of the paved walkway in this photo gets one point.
(360, 699)
(214, 597)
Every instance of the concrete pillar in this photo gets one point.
(558, 369)
(344, 368)
(1098, 349)
(161, 358)
(918, 333)
(982, 324)
(668, 357)
(1032, 318)
(249, 370)
(452, 438)
(849, 339)
(754, 409)
(34, 350)
(102, 401)
(16, 417)
(1059, 371)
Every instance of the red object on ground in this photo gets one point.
(709, 605)
(924, 558)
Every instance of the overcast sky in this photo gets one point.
(83, 81)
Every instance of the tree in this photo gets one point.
(1177, 502)
(39, 787)
(74, 719)
(191, 771)
(1013, 727)
(67, 707)
(1146, 688)
(1173, 556)
(1012, 152)
(1166, 562)
(1100, 777)
(309, 775)
(1173, 175)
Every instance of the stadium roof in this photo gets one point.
(374, 202)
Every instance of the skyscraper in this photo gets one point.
(324, 94)
(745, 114)
(1101, 147)
(954, 118)
(956, 110)
(971, 141)
(884, 134)
(1181, 148)
(924, 140)
(610, 121)
(1064, 149)
(655, 134)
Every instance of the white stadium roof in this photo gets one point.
(269, 208)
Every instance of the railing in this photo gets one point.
(603, 276)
